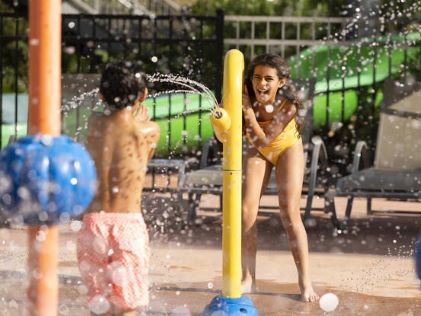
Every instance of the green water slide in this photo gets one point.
(183, 120)
(340, 71)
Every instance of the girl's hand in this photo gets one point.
(142, 114)
(246, 99)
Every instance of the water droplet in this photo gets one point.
(269, 108)
(75, 226)
(99, 305)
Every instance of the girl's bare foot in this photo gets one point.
(248, 286)
(308, 294)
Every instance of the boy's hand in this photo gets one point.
(142, 114)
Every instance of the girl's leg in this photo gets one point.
(115, 311)
(289, 178)
(257, 172)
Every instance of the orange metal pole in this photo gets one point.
(44, 117)
(44, 67)
(42, 264)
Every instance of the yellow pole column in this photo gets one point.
(44, 117)
(227, 123)
(231, 234)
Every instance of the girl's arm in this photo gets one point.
(280, 120)
(263, 136)
(254, 132)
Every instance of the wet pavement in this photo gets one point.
(370, 269)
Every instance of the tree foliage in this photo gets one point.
(395, 9)
(14, 54)
(272, 8)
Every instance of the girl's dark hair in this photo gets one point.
(287, 91)
(121, 84)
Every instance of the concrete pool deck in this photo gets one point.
(370, 269)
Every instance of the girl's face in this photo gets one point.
(266, 83)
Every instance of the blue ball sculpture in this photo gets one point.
(45, 179)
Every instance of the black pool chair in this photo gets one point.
(396, 172)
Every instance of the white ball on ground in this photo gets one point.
(328, 302)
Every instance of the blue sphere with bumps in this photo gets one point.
(45, 179)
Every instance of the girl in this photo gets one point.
(270, 107)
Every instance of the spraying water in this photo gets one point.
(189, 86)
(78, 108)
(194, 86)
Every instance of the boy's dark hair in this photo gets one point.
(121, 84)
(288, 91)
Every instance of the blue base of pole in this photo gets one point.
(222, 306)
(418, 257)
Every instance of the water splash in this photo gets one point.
(193, 85)
(76, 101)
(83, 104)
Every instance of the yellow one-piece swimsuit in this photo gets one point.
(288, 137)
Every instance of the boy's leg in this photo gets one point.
(92, 256)
(289, 179)
(257, 172)
(129, 263)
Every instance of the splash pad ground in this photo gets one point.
(371, 269)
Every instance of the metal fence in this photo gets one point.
(348, 73)
(189, 46)
(285, 35)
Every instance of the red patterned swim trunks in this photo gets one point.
(113, 258)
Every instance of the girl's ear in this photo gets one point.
(282, 82)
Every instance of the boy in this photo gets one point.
(112, 246)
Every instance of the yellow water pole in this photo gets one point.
(44, 117)
(227, 125)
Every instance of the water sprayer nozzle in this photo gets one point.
(217, 114)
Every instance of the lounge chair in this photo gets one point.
(208, 179)
(396, 172)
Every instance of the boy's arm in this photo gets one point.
(149, 130)
(153, 137)
(104, 169)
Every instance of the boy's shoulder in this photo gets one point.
(95, 115)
